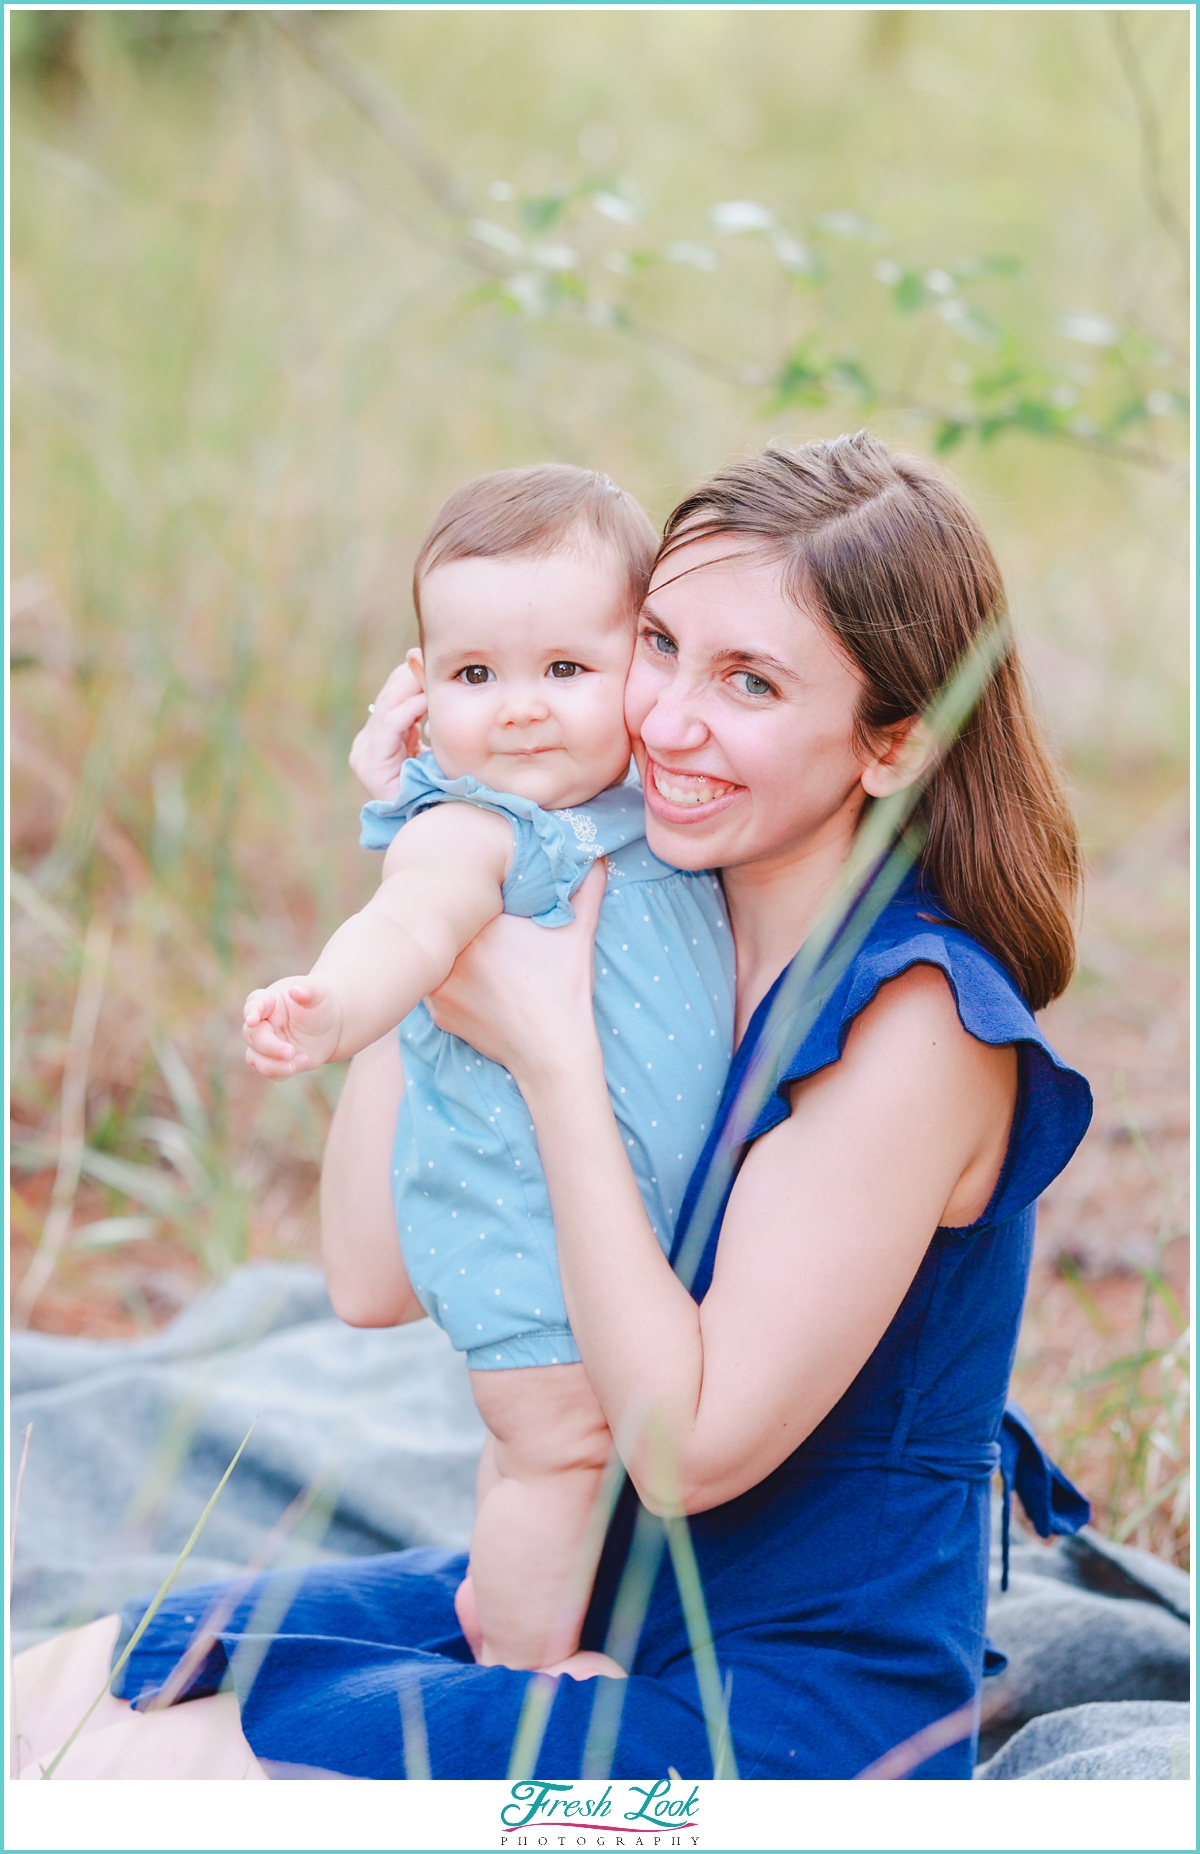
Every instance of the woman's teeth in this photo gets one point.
(690, 788)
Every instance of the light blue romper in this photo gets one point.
(472, 1206)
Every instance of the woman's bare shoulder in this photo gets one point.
(908, 1055)
(918, 1009)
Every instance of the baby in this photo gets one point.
(527, 589)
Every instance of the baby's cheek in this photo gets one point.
(454, 738)
(610, 738)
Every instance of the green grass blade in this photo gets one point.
(412, 1725)
(704, 1655)
(531, 1726)
(163, 1592)
(1133, 1520)
(624, 1631)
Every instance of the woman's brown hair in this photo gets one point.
(887, 553)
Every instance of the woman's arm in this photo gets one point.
(825, 1229)
(360, 1247)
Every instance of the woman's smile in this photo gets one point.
(670, 792)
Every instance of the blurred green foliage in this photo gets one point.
(280, 282)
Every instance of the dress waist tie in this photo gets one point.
(1053, 1504)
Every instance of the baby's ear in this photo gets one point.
(416, 663)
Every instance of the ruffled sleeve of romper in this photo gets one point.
(1054, 1102)
(553, 850)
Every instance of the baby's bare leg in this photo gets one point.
(464, 1597)
(56, 1682)
(532, 1563)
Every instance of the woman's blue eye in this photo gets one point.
(475, 673)
(566, 669)
(664, 645)
(754, 685)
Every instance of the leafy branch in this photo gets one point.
(580, 253)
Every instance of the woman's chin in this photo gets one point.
(689, 840)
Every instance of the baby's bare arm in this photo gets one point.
(442, 882)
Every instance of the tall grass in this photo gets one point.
(1122, 1426)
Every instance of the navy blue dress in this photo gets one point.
(845, 1593)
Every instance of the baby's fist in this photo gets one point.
(291, 1025)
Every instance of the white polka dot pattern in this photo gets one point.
(493, 1279)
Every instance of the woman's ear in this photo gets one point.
(910, 752)
(416, 663)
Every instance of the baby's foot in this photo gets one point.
(585, 1665)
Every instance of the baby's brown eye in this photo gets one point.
(565, 669)
(474, 673)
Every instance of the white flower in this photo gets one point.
(846, 224)
(700, 257)
(497, 236)
(554, 257)
(1096, 330)
(741, 216)
(529, 290)
(790, 252)
(615, 206)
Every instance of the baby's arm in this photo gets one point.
(442, 883)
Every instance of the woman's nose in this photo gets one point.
(675, 724)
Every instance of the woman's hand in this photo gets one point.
(390, 734)
(522, 994)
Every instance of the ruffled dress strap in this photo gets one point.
(553, 850)
(1054, 1102)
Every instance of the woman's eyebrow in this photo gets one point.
(757, 660)
(746, 659)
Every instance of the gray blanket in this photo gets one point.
(367, 1441)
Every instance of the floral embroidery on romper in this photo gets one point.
(585, 831)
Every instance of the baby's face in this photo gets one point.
(524, 671)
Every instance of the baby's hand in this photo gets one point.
(292, 1025)
(389, 736)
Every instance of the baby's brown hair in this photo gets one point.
(537, 510)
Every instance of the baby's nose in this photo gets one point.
(525, 702)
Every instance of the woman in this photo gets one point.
(826, 1401)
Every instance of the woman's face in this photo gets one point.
(741, 710)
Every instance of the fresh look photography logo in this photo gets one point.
(663, 1814)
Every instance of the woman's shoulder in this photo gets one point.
(1054, 1102)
